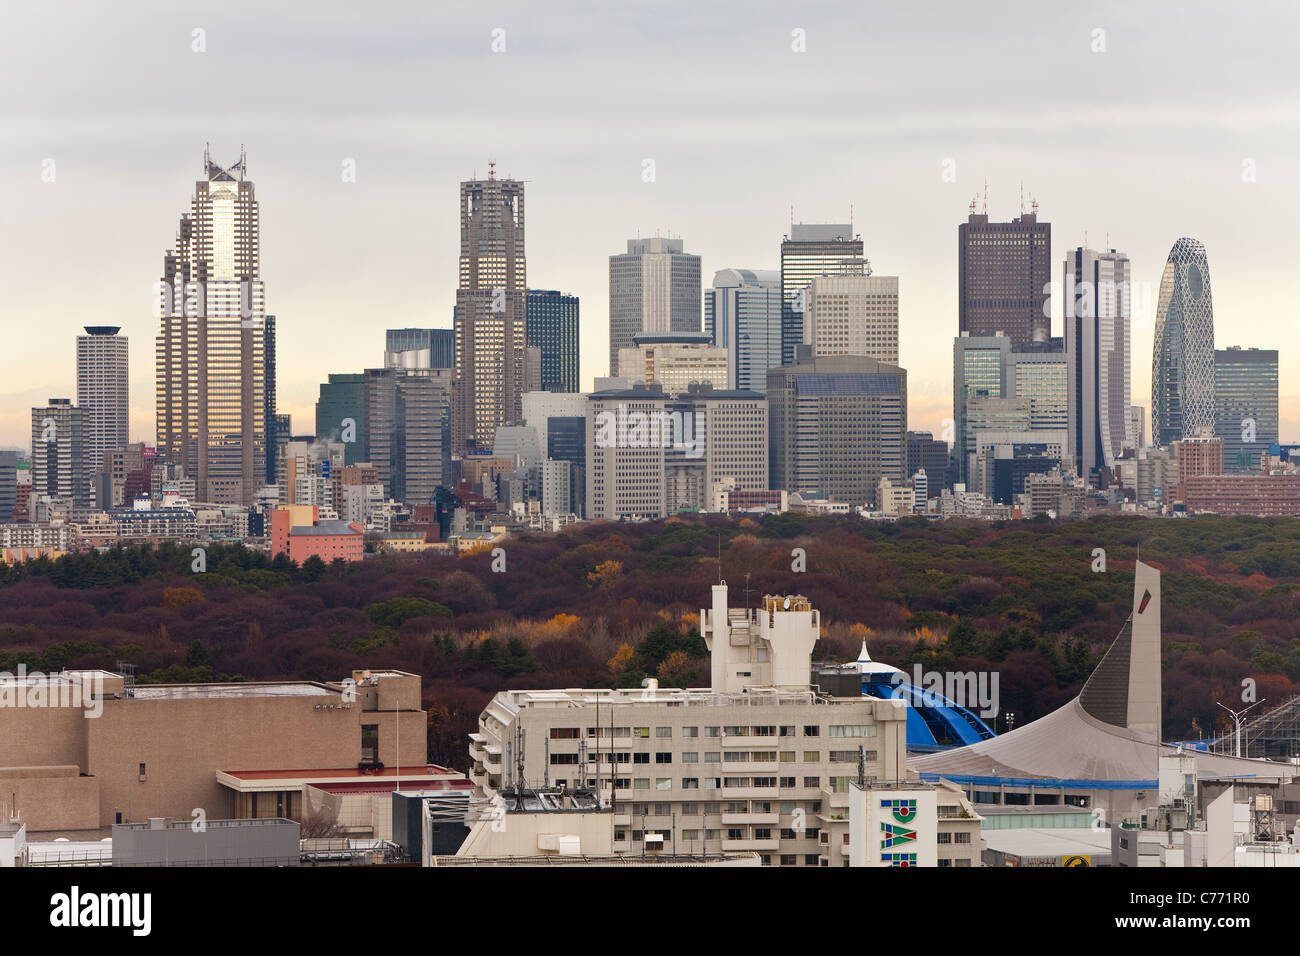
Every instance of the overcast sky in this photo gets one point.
(1149, 139)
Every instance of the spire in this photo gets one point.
(864, 657)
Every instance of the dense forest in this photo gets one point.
(603, 604)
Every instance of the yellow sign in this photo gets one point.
(1076, 861)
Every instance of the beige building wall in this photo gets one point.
(182, 735)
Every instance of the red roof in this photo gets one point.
(382, 786)
(345, 773)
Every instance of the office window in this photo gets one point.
(690, 731)
(787, 783)
(811, 859)
(663, 783)
(787, 756)
(690, 756)
(812, 781)
(690, 783)
(663, 809)
(690, 834)
(712, 731)
(735, 833)
(712, 834)
(640, 758)
(643, 732)
(643, 783)
(962, 836)
(690, 809)
(640, 809)
(663, 757)
(812, 730)
(564, 733)
(787, 731)
(713, 756)
(943, 837)
(853, 730)
(563, 759)
(812, 756)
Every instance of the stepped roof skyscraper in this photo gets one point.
(210, 375)
(490, 311)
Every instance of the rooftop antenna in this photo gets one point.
(1033, 204)
(986, 197)
(746, 590)
(492, 169)
(719, 557)
(1022, 197)
(974, 201)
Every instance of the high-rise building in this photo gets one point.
(408, 420)
(1038, 373)
(742, 314)
(1198, 455)
(58, 453)
(1245, 404)
(926, 454)
(541, 407)
(809, 251)
(978, 370)
(853, 314)
(1096, 301)
(653, 287)
(1003, 277)
(210, 364)
(837, 426)
(103, 395)
(1137, 427)
(1182, 364)
(674, 360)
(551, 326)
(491, 366)
(8, 484)
(274, 431)
(420, 348)
(341, 414)
(424, 419)
(652, 454)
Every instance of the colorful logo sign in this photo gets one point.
(895, 836)
(904, 810)
(898, 859)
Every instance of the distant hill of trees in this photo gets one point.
(610, 604)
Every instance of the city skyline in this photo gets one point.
(337, 262)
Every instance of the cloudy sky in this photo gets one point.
(1137, 122)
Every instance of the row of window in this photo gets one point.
(765, 730)
(717, 756)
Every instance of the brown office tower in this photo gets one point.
(1004, 271)
(210, 375)
(490, 312)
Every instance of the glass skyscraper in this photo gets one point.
(1245, 404)
(1182, 364)
(742, 314)
(551, 325)
(343, 397)
(420, 348)
(809, 251)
